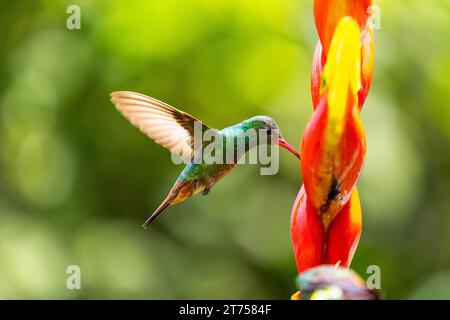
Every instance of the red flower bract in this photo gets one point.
(307, 233)
(328, 13)
(313, 245)
(330, 170)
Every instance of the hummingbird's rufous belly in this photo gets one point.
(198, 177)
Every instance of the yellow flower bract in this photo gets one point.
(342, 71)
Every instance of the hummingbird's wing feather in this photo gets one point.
(166, 125)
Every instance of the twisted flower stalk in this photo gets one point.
(326, 216)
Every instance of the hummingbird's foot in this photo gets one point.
(205, 191)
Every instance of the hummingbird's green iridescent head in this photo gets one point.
(267, 124)
(263, 124)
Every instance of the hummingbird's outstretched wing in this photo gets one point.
(166, 125)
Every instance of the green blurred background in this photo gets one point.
(77, 180)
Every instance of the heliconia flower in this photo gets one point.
(367, 63)
(328, 13)
(326, 219)
(333, 147)
(313, 245)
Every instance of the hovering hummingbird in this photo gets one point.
(175, 130)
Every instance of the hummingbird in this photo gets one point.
(176, 131)
(327, 282)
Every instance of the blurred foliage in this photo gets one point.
(77, 180)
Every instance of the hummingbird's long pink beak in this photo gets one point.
(287, 146)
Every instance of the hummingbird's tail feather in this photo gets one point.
(172, 195)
